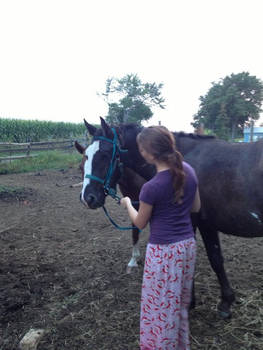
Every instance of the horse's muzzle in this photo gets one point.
(91, 201)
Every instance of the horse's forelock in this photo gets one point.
(98, 132)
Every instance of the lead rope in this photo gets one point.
(118, 200)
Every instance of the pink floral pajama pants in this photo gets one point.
(166, 295)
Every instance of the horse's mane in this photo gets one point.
(129, 126)
(193, 136)
(136, 128)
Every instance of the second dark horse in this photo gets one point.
(230, 181)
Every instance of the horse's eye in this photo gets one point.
(86, 157)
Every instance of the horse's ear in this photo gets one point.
(79, 148)
(91, 129)
(106, 129)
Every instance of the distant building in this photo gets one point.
(257, 133)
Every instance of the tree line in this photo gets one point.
(230, 104)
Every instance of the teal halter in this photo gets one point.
(106, 182)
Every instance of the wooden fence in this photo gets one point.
(11, 151)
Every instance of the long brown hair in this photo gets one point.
(160, 143)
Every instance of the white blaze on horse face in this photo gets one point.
(90, 153)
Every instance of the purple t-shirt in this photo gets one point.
(170, 222)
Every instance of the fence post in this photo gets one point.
(10, 152)
(28, 149)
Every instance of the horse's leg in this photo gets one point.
(130, 185)
(135, 250)
(214, 253)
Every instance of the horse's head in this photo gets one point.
(100, 165)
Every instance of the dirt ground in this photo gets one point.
(63, 269)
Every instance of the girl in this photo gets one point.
(166, 201)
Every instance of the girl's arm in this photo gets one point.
(141, 217)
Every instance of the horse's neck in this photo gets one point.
(146, 171)
(185, 145)
(132, 159)
(135, 162)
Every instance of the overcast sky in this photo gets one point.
(57, 54)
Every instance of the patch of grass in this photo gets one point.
(9, 189)
(44, 160)
(8, 192)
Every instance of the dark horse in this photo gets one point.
(230, 181)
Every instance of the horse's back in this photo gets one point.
(231, 185)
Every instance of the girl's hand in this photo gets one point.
(125, 201)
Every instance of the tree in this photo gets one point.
(230, 104)
(130, 100)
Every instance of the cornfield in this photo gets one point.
(15, 130)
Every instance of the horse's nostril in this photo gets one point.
(90, 198)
